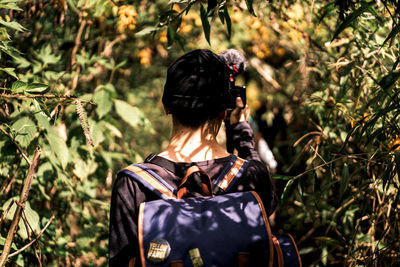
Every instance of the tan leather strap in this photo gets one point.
(194, 173)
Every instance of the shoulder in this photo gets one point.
(129, 184)
(257, 170)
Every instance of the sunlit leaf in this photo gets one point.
(10, 71)
(12, 25)
(25, 130)
(147, 31)
(131, 115)
(58, 146)
(103, 99)
(10, 4)
(286, 192)
(350, 19)
(32, 219)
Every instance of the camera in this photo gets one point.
(236, 63)
(236, 91)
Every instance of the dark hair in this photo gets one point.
(197, 87)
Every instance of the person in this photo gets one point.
(195, 95)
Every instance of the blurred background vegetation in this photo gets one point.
(83, 79)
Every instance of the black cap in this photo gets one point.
(197, 86)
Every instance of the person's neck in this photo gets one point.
(194, 144)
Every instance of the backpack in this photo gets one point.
(201, 224)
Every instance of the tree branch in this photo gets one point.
(20, 206)
(60, 97)
(34, 240)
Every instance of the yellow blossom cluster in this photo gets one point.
(127, 18)
(188, 21)
(260, 37)
(163, 37)
(144, 56)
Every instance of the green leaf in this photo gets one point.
(8, 48)
(21, 62)
(9, 71)
(32, 218)
(344, 182)
(4, 34)
(286, 192)
(389, 80)
(205, 23)
(10, 4)
(352, 17)
(20, 87)
(25, 130)
(103, 99)
(171, 34)
(12, 25)
(392, 34)
(37, 88)
(228, 22)
(83, 169)
(58, 146)
(3, 240)
(147, 30)
(249, 4)
(131, 115)
(46, 56)
(282, 177)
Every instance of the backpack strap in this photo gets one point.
(230, 175)
(150, 180)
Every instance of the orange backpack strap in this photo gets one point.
(230, 175)
(150, 180)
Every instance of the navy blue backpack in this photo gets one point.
(215, 228)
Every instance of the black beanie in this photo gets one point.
(197, 87)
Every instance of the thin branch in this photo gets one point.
(60, 97)
(34, 240)
(304, 136)
(7, 187)
(20, 206)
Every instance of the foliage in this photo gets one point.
(83, 80)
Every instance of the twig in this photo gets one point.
(257, 64)
(34, 240)
(20, 206)
(29, 229)
(304, 136)
(60, 97)
(7, 187)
